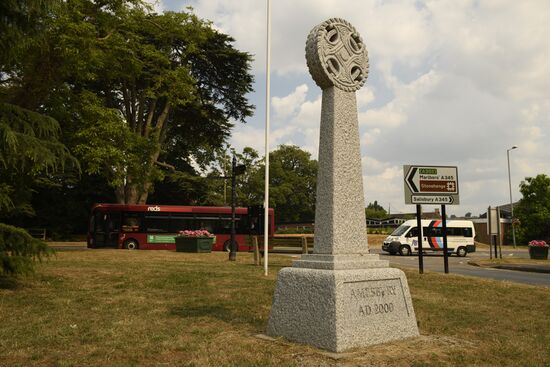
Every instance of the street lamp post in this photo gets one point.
(235, 171)
(510, 186)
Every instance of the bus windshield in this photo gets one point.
(399, 231)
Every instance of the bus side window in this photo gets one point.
(467, 232)
(156, 223)
(131, 222)
(114, 222)
(182, 223)
(225, 227)
(207, 224)
(241, 224)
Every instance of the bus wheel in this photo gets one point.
(461, 251)
(131, 245)
(227, 246)
(404, 250)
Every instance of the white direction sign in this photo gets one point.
(437, 185)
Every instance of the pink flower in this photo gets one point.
(195, 233)
(537, 243)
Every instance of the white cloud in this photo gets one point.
(450, 82)
(283, 107)
(364, 97)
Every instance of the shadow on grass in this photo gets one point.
(215, 311)
(9, 283)
(227, 314)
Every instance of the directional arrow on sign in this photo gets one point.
(410, 180)
(439, 200)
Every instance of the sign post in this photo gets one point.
(499, 234)
(419, 226)
(444, 230)
(493, 224)
(431, 185)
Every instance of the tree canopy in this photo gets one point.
(30, 150)
(133, 89)
(293, 183)
(115, 89)
(533, 210)
(375, 211)
(293, 179)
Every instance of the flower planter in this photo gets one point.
(193, 244)
(538, 252)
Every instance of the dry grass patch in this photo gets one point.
(161, 308)
(507, 261)
(376, 240)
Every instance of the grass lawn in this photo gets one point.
(161, 308)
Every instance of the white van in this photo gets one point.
(404, 240)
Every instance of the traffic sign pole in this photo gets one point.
(419, 226)
(233, 245)
(445, 253)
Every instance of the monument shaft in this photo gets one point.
(340, 210)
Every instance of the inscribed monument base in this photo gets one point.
(341, 309)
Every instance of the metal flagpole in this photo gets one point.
(267, 97)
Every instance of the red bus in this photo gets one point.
(155, 226)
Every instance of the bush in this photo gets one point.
(382, 230)
(19, 250)
(533, 210)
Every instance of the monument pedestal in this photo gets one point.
(341, 309)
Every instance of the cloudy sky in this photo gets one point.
(450, 83)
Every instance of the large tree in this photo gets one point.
(293, 178)
(533, 210)
(135, 91)
(293, 182)
(30, 151)
(213, 185)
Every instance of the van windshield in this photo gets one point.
(399, 231)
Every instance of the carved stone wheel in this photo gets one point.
(336, 56)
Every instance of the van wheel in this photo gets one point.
(131, 245)
(227, 246)
(392, 253)
(404, 250)
(461, 251)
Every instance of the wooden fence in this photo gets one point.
(287, 244)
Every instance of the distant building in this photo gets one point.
(397, 219)
(296, 225)
(505, 225)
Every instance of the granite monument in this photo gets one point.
(340, 296)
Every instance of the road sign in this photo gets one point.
(436, 185)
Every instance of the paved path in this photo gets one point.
(459, 265)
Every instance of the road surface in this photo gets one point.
(459, 265)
